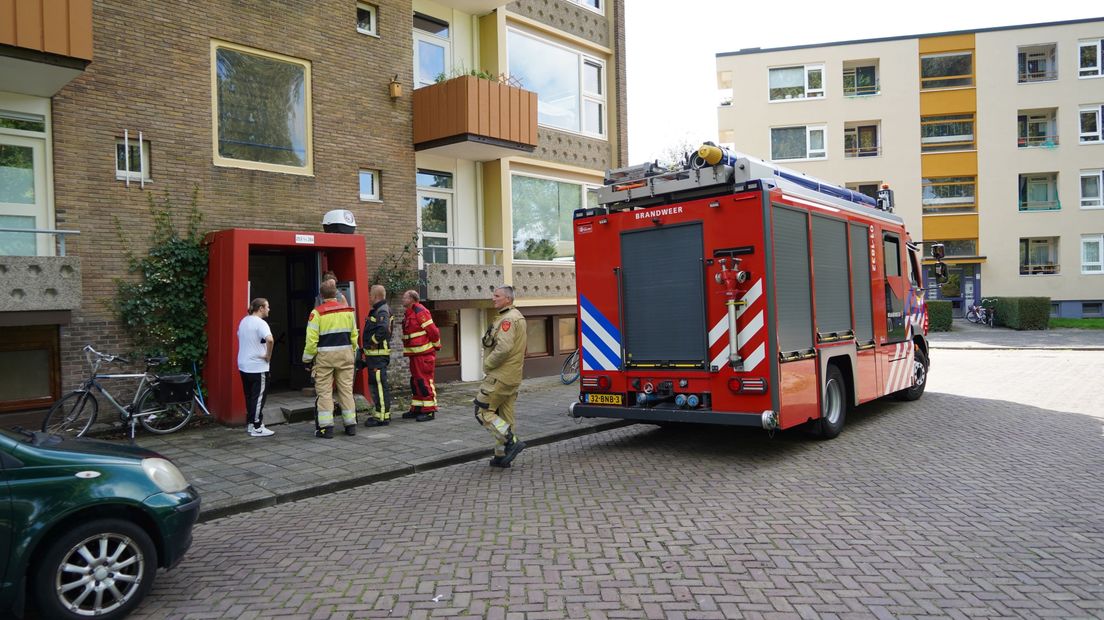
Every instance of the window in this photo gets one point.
(542, 213)
(952, 132)
(1037, 128)
(800, 82)
(1092, 259)
(434, 214)
(802, 142)
(130, 156)
(860, 78)
(447, 321)
(954, 247)
(432, 50)
(366, 19)
(594, 5)
(536, 335)
(947, 70)
(369, 185)
(1092, 309)
(569, 340)
(1039, 256)
(891, 247)
(1036, 63)
(1089, 54)
(262, 110)
(867, 189)
(1090, 124)
(22, 122)
(1091, 183)
(570, 85)
(861, 140)
(30, 367)
(949, 195)
(1039, 192)
(23, 185)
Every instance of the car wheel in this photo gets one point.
(834, 407)
(100, 569)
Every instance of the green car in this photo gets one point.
(85, 524)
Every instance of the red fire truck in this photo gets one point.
(733, 291)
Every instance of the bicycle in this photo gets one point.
(162, 404)
(983, 313)
(570, 371)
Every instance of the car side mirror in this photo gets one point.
(940, 271)
(937, 251)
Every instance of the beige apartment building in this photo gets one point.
(991, 139)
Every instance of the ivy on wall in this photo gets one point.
(165, 309)
(397, 272)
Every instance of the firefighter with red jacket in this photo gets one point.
(377, 355)
(421, 341)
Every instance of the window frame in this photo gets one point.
(1093, 71)
(376, 177)
(951, 249)
(1049, 55)
(1040, 269)
(855, 90)
(1026, 119)
(430, 38)
(1097, 110)
(448, 194)
(584, 189)
(806, 68)
(941, 144)
(964, 76)
(1099, 175)
(855, 130)
(1028, 180)
(308, 113)
(549, 345)
(583, 58)
(808, 152)
(1099, 264)
(143, 173)
(600, 9)
(374, 10)
(934, 204)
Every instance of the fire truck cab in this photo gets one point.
(736, 292)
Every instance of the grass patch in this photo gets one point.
(1078, 323)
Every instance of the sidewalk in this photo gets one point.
(237, 473)
(967, 335)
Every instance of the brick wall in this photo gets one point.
(152, 73)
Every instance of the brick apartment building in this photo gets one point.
(277, 115)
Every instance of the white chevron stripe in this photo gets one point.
(600, 331)
(721, 359)
(757, 356)
(603, 362)
(721, 328)
(749, 330)
(891, 368)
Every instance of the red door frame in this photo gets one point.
(227, 283)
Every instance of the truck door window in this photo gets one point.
(894, 288)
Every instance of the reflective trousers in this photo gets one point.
(334, 368)
(423, 392)
(381, 393)
(498, 417)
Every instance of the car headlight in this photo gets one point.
(165, 475)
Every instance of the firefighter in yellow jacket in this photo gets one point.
(503, 356)
(331, 345)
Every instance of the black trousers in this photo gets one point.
(381, 392)
(255, 385)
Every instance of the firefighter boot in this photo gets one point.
(514, 447)
(350, 429)
(496, 461)
(426, 417)
(376, 422)
(324, 433)
(410, 415)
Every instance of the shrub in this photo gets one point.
(939, 316)
(1023, 312)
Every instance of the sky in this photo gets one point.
(672, 88)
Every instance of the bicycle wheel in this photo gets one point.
(972, 316)
(71, 416)
(570, 371)
(162, 419)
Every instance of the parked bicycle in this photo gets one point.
(570, 371)
(983, 313)
(162, 404)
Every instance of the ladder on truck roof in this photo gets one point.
(636, 187)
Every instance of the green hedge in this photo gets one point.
(1023, 312)
(939, 316)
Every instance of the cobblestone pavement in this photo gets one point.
(983, 499)
(967, 335)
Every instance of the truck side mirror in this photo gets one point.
(940, 271)
(937, 251)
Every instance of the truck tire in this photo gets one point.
(834, 405)
(919, 377)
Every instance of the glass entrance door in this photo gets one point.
(23, 196)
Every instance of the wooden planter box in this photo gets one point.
(470, 109)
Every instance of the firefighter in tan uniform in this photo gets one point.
(503, 356)
(331, 347)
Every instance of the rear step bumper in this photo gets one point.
(760, 420)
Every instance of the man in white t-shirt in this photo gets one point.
(254, 354)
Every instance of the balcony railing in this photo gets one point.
(60, 234)
(1048, 142)
(461, 254)
(1046, 75)
(1039, 269)
(1040, 205)
(468, 276)
(475, 119)
(931, 207)
(861, 90)
(862, 151)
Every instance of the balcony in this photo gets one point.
(474, 119)
(461, 273)
(39, 283)
(548, 281)
(44, 44)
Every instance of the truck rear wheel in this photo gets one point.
(834, 405)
